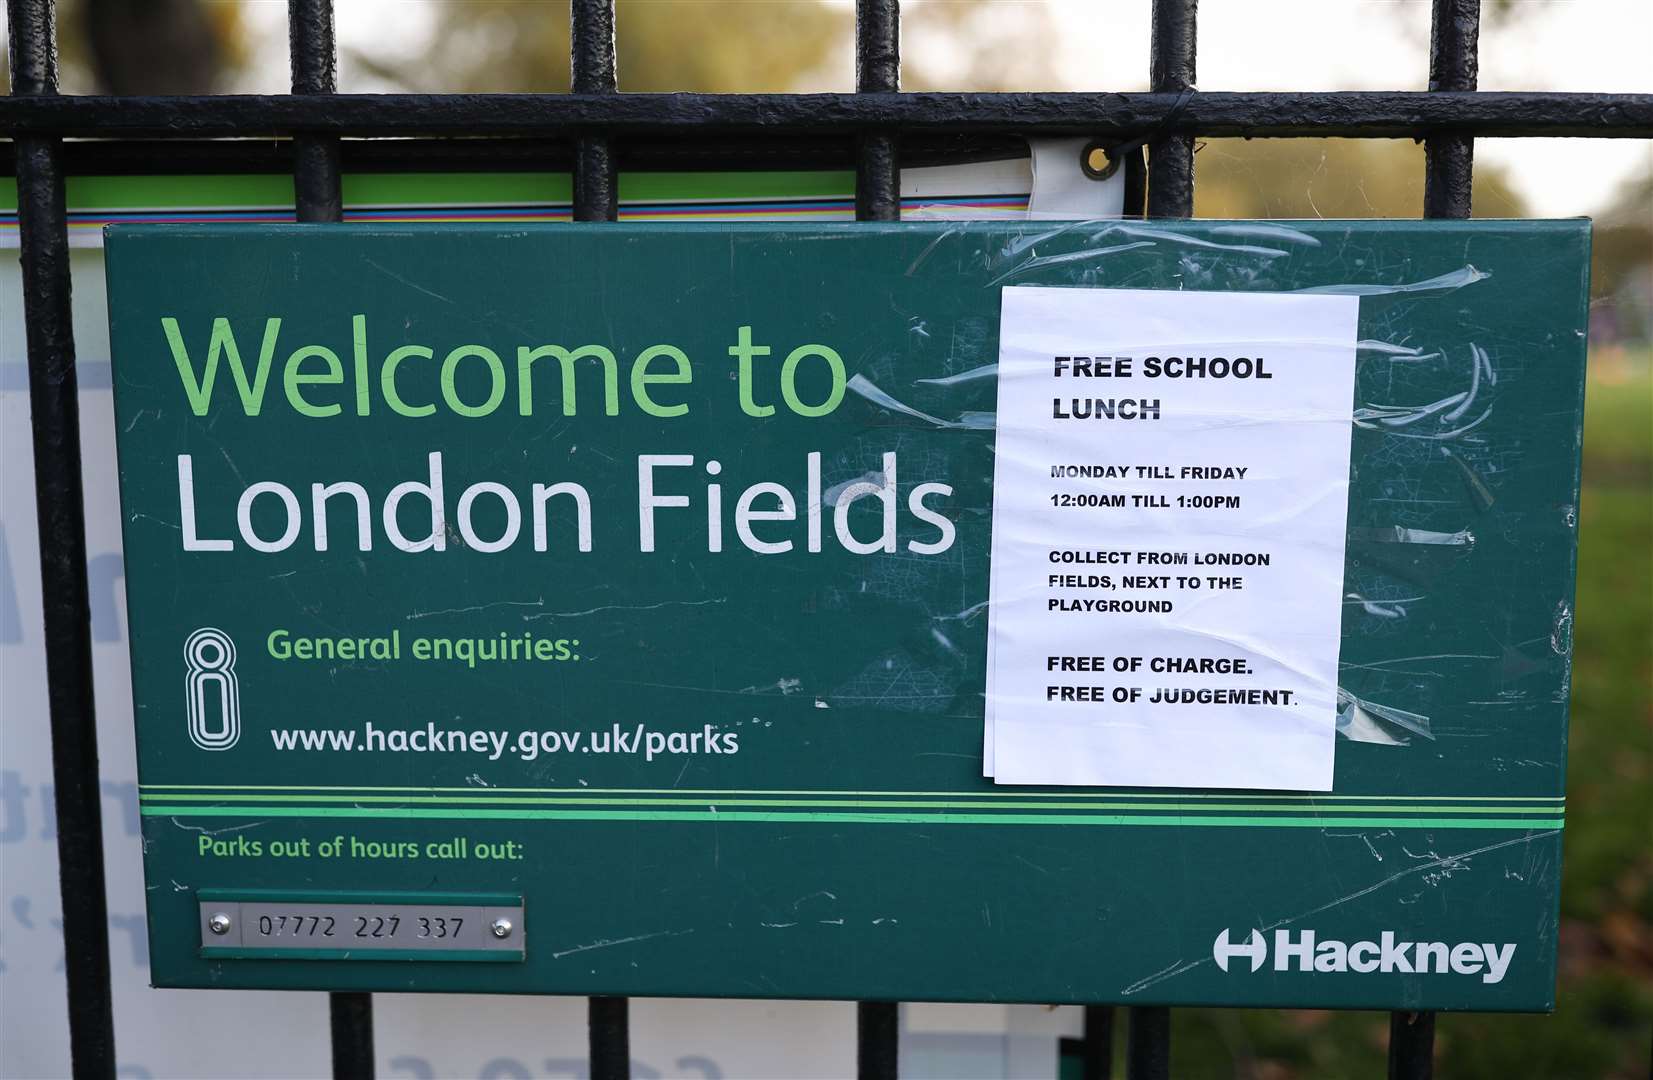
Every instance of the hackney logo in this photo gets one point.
(211, 693)
(1389, 954)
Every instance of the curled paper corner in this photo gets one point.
(1369, 722)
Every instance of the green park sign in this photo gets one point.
(1056, 612)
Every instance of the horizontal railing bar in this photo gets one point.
(1351, 114)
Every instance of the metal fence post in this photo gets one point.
(1411, 1045)
(877, 198)
(1454, 32)
(1148, 1044)
(877, 1040)
(54, 409)
(313, 56)
(1170, 195)
(1097, 1046)
(350, 1023)
(1171, 71)
(593, 70)
(877, 71)
(609, 1020)
(318, 196)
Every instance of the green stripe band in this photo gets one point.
(499, 800)
(1070, 794)
(829, 817)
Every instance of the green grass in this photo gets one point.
(1604, 1018)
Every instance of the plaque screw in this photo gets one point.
(501, 928)
(219, 923)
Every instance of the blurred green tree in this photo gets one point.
(113, 46)
(1621, 260)
(712, 45)
(1329, 178)
(718, 46)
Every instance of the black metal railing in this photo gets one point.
(54, 410)
(593, 131)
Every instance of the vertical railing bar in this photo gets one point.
(1171, 67)
(314, 57)
(1454, 33)
(350, 1019)
(1411, 1045)
(1171, 71)
(318, 195)
(877, 198)
(1097, 1063)
(1148, 1044)
(877, 1040)
(1449, 163)
(592, 70)
(609, 1021)
(60, 508)
(877, 71)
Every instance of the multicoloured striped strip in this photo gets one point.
(772, 210)
(506, 198)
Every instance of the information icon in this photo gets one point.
(211, 690)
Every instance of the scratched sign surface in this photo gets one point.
(472, 566)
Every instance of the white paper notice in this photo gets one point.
(1170, 497)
